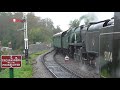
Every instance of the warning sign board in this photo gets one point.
(11, 61)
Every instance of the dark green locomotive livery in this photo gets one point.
(57, 38)
(97, 44)
(109, 50)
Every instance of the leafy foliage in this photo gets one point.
(74, 23)
(39, 30)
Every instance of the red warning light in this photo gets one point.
(16, 20)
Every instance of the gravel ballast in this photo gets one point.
(77, 67)
(39, 70)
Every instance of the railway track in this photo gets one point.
(56, 69)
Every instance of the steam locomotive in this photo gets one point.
(95, 44)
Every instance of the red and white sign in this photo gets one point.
(11, 61)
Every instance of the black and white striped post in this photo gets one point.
(25, 37)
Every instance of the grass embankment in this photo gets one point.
(25, 71)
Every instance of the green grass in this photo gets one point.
(38, 53)
(25, 71)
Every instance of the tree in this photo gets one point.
(57, 30)
(33, 21)
(74, 23)
(88, 18)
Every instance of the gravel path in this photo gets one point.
(40, 70)
(76, 66)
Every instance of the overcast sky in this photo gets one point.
(63, 18)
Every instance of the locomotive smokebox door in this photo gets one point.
(109, 50)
